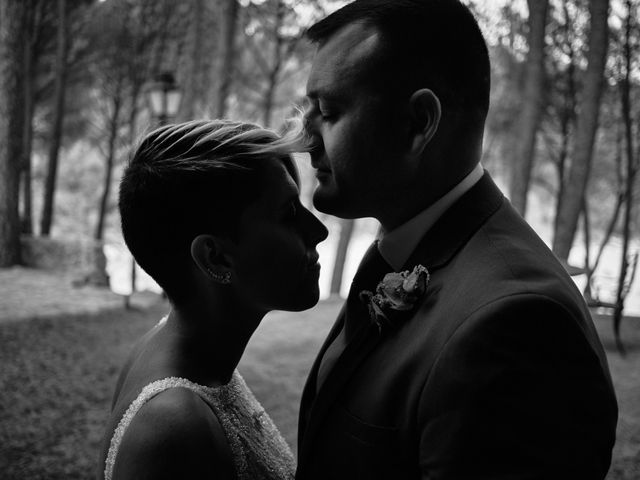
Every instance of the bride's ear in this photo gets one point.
(209, 255)
(426, 112)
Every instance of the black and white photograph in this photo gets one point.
(320, 239)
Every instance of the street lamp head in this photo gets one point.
(164, 96)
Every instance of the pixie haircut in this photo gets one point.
(189, 179)
(433, 44)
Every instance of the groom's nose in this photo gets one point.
(310, 123)
(313, 139)
(307, 125)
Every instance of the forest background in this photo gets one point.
(562, 135)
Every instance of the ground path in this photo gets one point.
(31, 293)
(53, 415)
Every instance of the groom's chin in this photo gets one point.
(327, 200)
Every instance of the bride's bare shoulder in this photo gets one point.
(134, 354)
(174, 435)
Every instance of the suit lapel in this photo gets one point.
(458, 224)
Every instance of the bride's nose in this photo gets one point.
(317, 232)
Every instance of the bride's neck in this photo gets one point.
(207, 340)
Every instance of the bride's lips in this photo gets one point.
(313, 264)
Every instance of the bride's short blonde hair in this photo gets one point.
(201, 145)
(191, 178)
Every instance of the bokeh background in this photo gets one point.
(83, 79)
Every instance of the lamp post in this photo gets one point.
(164, 97)
(164, 101)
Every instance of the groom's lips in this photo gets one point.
(320, 168)
(321, 171)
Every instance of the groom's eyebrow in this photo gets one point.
(324, 95)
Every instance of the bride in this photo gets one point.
(211, 210)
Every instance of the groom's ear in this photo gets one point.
(425, 114)
(209, 254)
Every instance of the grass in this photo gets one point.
(625, 372)
(57, 377)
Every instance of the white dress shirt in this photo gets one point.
(397, 245)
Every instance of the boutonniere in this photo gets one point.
(397, 292)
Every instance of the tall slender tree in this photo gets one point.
(113, 122)
(34, 12)
(346, 232)
(276, 63)
(227, 55)
(46, 219)
(12, 27)
(194, 83)
(529, 120)
(632, 165)
(586, 127)
(565, 83)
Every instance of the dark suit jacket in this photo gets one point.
(497, 374)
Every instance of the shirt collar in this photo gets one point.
(397, 245)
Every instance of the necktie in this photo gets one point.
(371, 271)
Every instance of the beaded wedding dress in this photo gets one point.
(258, 449)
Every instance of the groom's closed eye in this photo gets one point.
(326, 109)
(327, 114)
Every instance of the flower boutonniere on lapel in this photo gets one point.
(396, 293)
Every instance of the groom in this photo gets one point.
(487, 368)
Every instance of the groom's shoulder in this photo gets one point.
(504, 266)
(507, 257)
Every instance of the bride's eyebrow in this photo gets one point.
(287, 200)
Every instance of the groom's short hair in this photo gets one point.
(435, 44)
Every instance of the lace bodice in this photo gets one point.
(259, 451)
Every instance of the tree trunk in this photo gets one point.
(12, 21)
(272, 80)
(108, 174)
(613, 219)
(346, 231)
(27, 137)
(58, 119)
(532, 108)
(193, 92)
(228, 34)
(586, 225)
(568, 113)
(133, 117)
(630, 179)
(587, 125)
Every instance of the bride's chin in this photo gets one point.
(306, 301)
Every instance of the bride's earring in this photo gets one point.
(223, 278)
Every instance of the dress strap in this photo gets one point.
(147, 393)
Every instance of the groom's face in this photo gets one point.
(357, 126)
